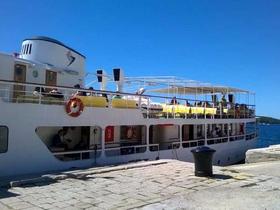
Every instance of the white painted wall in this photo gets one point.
(54, 54)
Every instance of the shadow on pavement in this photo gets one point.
(221, 176)
(4, 193)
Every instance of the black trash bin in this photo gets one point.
(203, 161)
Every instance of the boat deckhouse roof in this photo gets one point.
(175, 85)
(48, 39)
(199, 89)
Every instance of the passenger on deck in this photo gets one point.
(58, 139)
(173, 101)
(79, 93)
(105, 96)
(214, 133)
(39, 91)
(223, 101)
(117, 95)
(91, 93)
(55, 93)
(198, 103)
(207, 104)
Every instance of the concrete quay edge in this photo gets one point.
(77, 173)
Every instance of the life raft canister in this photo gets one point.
(74, 107)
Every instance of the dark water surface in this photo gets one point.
(268, 135)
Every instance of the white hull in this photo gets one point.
(28, 154)
(99, 126)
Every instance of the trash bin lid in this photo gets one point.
(202, 149)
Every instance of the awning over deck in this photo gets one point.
(198, 90)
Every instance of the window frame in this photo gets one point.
(7, 138)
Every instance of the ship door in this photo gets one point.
(19, 76)
(51, 79)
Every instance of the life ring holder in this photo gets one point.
(74, 107)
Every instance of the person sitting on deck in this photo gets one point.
(39, 91)
(173, 101)
(118, 96)
(91, 93)
(55, 93)
(223, 101)
(105, 96)
(58, 139)
(79, 93)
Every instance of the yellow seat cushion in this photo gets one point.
(93, 101)
(177, 109)
(123, 103)
(211, 111)
(197, 110)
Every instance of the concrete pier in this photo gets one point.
(163, 184)
(266, 154)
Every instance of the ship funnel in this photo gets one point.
(118, 78)
(102, 78)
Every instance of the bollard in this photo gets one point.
(203, 161)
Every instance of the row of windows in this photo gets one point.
(3, 139)
(26, 49)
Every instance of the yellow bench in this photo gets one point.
(177, 109)
(197, 110)
(93, 101)
(202, 110)
(123, 103)
(211, 111)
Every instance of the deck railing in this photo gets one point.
(134, 149)
(150, 106)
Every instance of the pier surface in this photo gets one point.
(163, 184)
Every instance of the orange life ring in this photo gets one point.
(74, 107)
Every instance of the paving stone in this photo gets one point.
(157, 186)
(3, 207)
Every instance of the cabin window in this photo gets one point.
(72, 143)
(3, 139)
(125, 139)
(250, 130)
(30, 47)
(26, 49)
(250, 127)
(23, 49)
(193, 135)
(164, 137)
(217, 133)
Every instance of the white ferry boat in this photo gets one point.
(48, 125)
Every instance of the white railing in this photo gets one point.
(187, 108)
(81, 152)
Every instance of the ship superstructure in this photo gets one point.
(51, 120)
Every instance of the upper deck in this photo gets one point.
(47, 64)
(191, 101)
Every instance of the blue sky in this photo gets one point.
(235, 43)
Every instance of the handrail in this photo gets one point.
(125, 147)
(178, 110)
(76, 152)
(32, 84)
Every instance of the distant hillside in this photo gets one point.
(267, 120)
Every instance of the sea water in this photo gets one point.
(268, 135)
